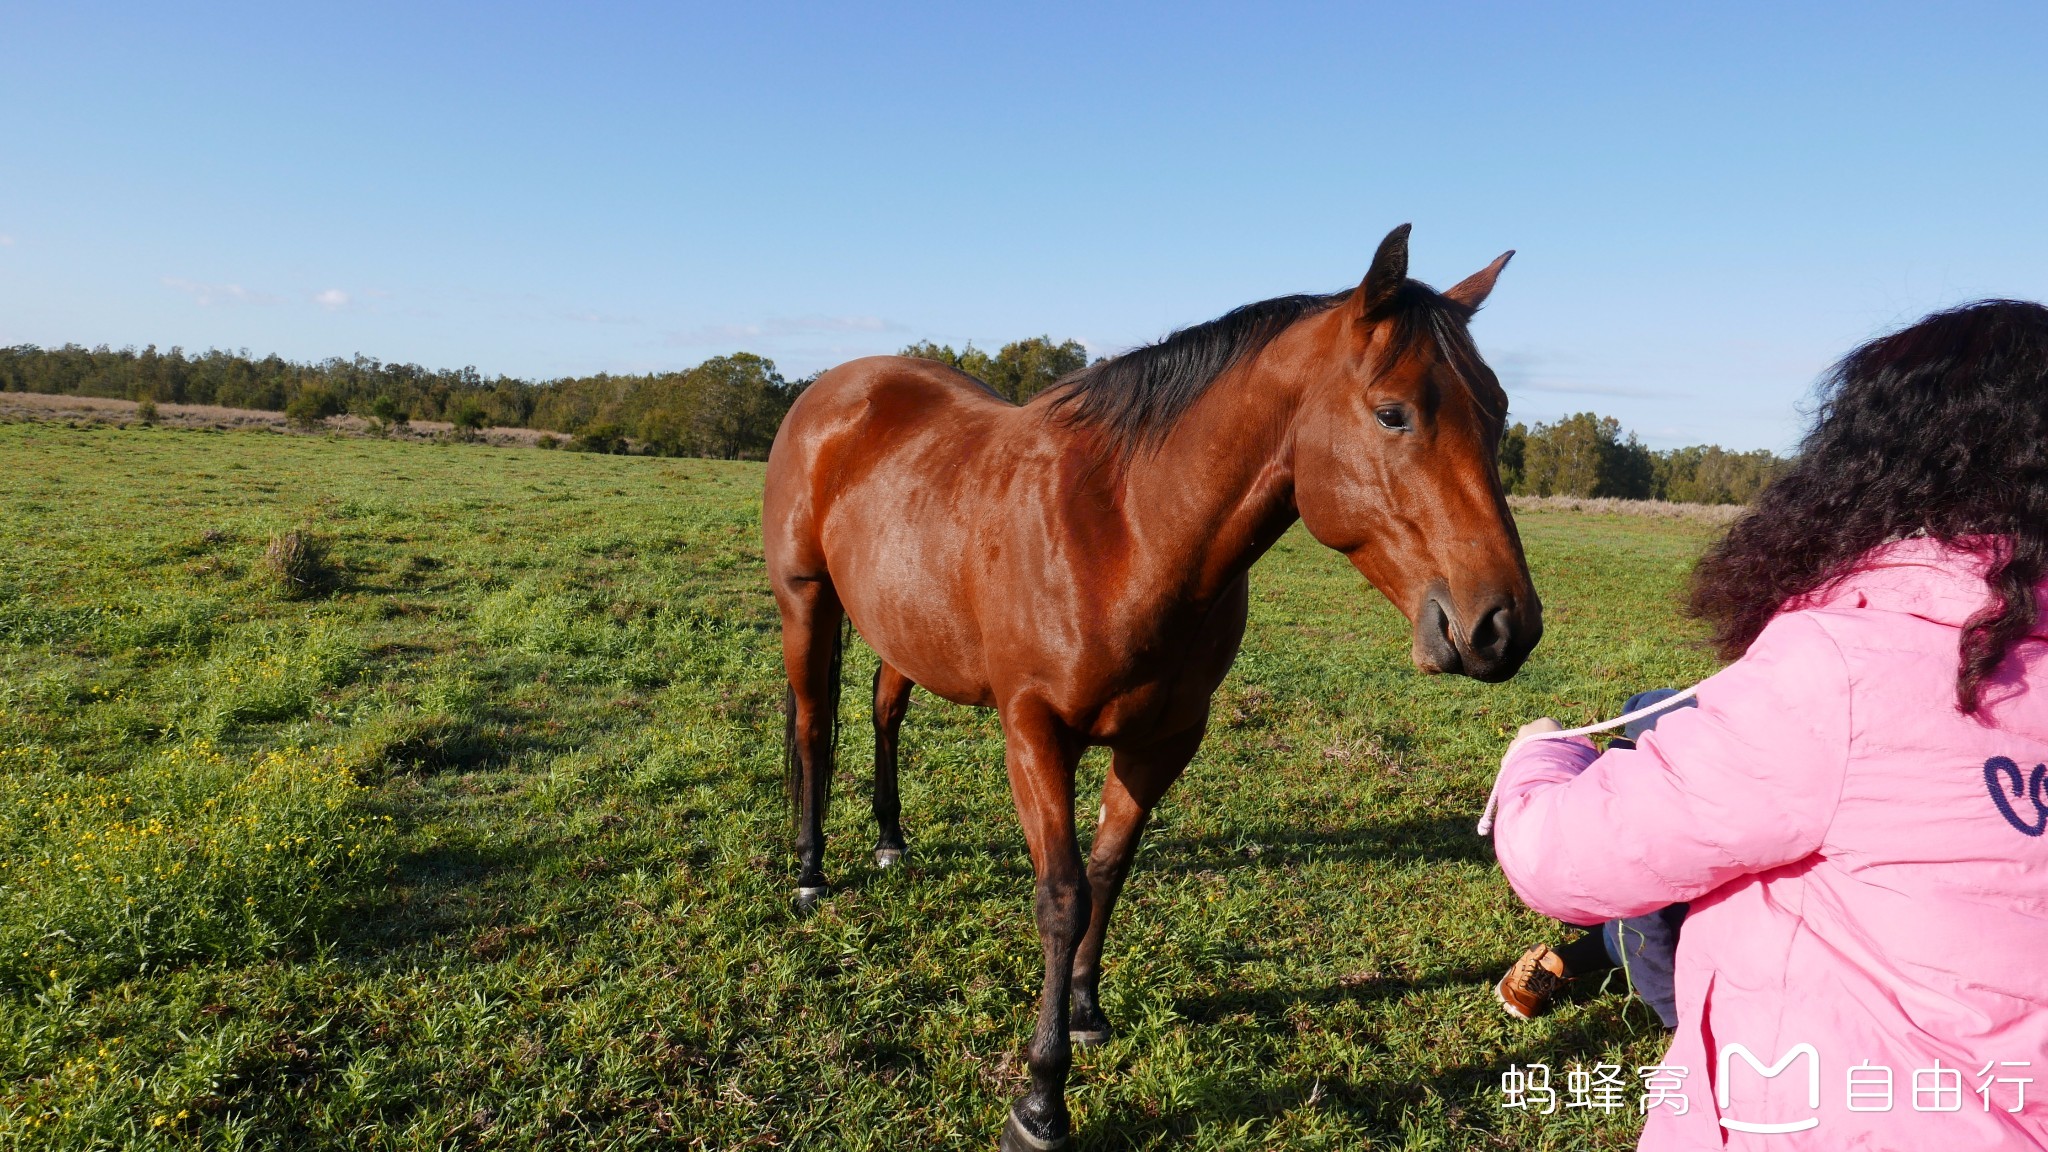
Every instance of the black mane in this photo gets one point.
(1136, 398)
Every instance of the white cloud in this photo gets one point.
(333, 299)
(207, 295)
(1554, 374)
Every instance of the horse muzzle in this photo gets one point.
(1489, 644)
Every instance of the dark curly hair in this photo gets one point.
(1940, 429)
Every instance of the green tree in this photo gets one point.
(970, 359)
(738, 401)
(1027, 367)
(1021, 370)
(1513, 453)
(1586, 455)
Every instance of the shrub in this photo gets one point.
(469, 416)
(145, 411)
(387, 408)
(297, 561)
(548, 442)
(311, 406)
(186, 857)
(605, 437)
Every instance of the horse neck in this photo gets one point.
(1219, 490)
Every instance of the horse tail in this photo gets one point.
(792, 761)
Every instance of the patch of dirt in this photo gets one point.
(1710, 513)
(121, 413)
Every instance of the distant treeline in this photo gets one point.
(730, 406)
(1587, 455)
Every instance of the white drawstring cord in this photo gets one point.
(1493, 797)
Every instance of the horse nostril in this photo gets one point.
(1435, 649)
(1490, 634)
(1440, 623)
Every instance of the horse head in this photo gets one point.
(1395, 466)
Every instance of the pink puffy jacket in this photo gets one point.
(1866, 865)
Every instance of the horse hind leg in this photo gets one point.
(892, 700)
(812, 647)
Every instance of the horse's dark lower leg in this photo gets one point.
(810, 655)
(1041, 760)
(892, 700)
(1136, 781)
(1062, 907)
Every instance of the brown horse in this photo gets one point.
(1079, 563)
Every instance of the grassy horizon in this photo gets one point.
(545, 688)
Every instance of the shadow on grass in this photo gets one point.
(993, 847)
(1382, 1106)
(1275, 1010)
(1435, 839)
(434, 744)
(465, 882)
(474, 897)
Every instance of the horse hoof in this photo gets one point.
(888, 857)
(1087, 1027)
(808, 899)
(1018, 1138)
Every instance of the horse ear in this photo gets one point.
(1388, 272)
(1473, 290)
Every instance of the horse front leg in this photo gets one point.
(1041, 755)
(1136, 781)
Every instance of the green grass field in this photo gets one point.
(485, 846)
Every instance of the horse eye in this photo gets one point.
(1392, 418)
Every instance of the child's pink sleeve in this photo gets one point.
(1746, 782)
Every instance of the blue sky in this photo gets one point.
(1709, 205)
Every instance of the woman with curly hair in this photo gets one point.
(1854, 812)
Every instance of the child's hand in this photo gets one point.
(1541, 724)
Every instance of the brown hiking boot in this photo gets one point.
(1527, 988)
